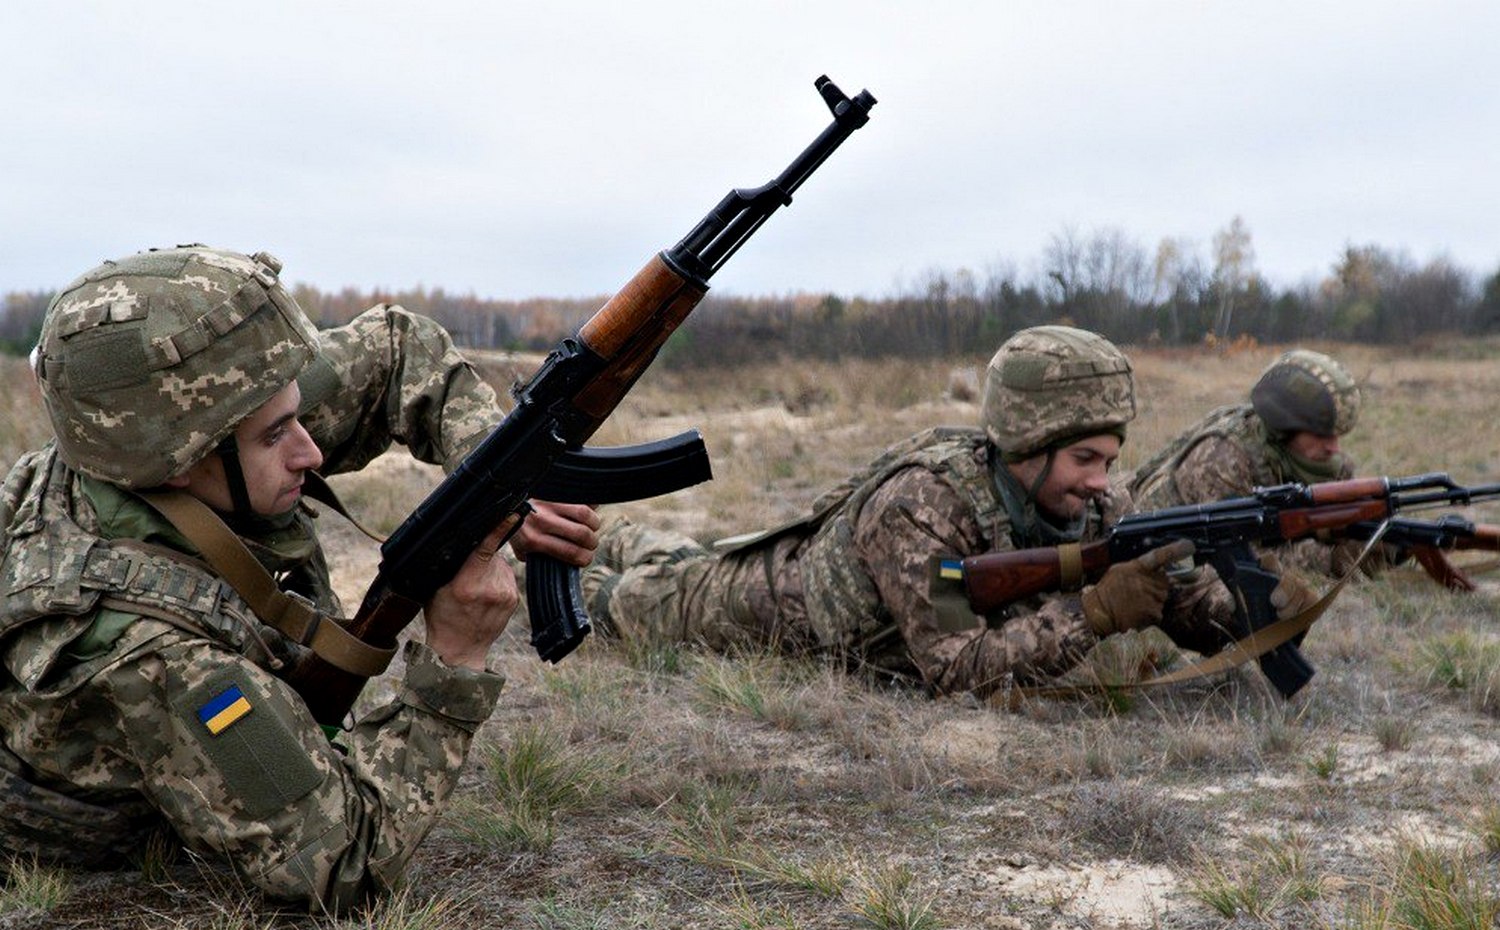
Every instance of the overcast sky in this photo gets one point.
(532, 149)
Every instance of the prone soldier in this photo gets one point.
(1290, 429)
(140, 688)
(855, 578)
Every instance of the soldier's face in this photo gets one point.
(1079, 474)
(1315, 447)
(275, 452)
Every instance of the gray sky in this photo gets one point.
(516, 149)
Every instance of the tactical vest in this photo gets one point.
(57, 568)
(843, 605)
(1155, 483)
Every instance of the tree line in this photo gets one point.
(1104, 281)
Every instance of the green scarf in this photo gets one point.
(1294, 467)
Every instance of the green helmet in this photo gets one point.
(147, 363)
(1049, 385)
(1306, 391)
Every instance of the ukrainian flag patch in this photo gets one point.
(225, 708)
(951, 569)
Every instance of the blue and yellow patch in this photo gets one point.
(951, 569)
(226, 707)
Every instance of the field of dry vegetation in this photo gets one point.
(679, 789)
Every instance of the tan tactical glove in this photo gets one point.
(1292, 595)
(1131, 595)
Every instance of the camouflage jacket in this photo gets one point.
(864, 572)
(137, 690)
(1228, 454)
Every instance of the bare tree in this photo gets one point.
(1063, 261)
(1176, 283)
(1234, 263)
(1100, 281)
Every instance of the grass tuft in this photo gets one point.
(533, 779)
(1326, 763)
(1394, 733)
(404, 910)
(1130, 820)
(756, 686)
(1459, 661)
(890, 899)
(32, 887)
(1429, 888)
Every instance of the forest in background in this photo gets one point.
(1104, 281)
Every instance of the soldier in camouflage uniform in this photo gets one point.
(1301, 406)
(139, 692)
(854, 577)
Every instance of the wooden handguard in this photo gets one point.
(1352, 489)
(631, 328)
(1486, 538)
(1306, 522)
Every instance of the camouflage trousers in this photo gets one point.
(657, 586)
(36, 823)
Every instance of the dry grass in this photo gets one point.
(656, 788)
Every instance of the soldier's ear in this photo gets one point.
(176, 482)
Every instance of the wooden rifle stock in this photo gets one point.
(330, 691)
(995, 579)
(1441, 570)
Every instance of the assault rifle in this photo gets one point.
(1426, 541)
(1223, 533)
(537, 451)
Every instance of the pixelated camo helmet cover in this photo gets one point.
(1048, 385)
(148, 362)
(1306, 391)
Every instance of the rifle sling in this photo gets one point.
(1235, 654)
(317, 487)
(292, 615)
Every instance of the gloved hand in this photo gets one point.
(1292, 595)
(1131, 595)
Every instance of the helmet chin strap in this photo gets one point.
(1041, 476)
(234, 476)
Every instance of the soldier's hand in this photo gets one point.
(1131, 595)
(470, 612)
(567, 532)
(1292, 594)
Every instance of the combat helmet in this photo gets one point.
(1049, 385)
(148, 363)
(1306, 391)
